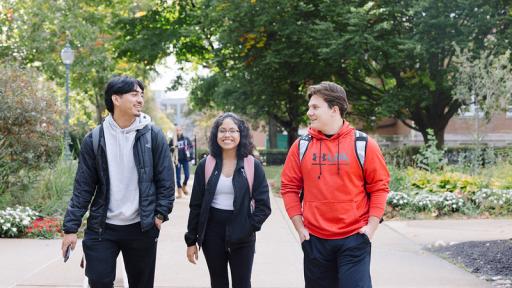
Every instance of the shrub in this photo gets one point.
(273, 156)
(13, 222)
(31, 132)
(429, 157)
(52, 190)
(445, 182)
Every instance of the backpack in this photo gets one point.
(248, 172)
(361, 139)
(96, 138)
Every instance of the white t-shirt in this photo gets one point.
(224, 194)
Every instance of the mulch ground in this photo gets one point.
(490, 260)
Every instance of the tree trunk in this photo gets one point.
(293, 134)
(272, 133)
(438, 133)
(98, 110)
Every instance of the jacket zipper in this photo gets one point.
(204, 226)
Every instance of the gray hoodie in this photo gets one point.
(123, 208)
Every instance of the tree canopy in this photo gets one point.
(394, 57)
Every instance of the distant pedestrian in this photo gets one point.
(125, 181)
(345, 181)
(185, 151)
(229, 203)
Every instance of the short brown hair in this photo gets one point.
(332, 93)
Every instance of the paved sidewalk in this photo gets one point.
(398, 259)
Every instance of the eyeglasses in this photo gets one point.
(230, 132)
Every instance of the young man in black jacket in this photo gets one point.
(127, 184)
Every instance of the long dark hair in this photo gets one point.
(244, 148)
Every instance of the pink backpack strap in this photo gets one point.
(249, 170)
(208, 168)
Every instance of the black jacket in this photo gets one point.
(244, 223)
(155, 178)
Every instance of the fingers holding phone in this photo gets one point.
(68, 244)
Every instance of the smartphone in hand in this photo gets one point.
(67, 254)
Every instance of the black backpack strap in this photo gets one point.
(96, 138)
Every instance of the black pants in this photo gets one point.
(342, 263)
(139, 255)
(240, 258)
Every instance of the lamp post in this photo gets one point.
(67, 55)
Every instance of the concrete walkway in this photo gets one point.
(398, 259)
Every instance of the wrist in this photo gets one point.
(160, 217)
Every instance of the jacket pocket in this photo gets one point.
(241, 230)
(329, 216)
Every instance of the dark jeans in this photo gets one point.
(217, 256)
(139, 255)
(184, 164)
(341, 263)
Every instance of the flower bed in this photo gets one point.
(24, 222)
(13, 222)
(485, 201)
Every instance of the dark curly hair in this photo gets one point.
(244, 148)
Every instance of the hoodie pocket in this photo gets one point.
(330, 216)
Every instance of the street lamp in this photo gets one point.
(67, 55)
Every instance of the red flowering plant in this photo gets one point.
(44, 227)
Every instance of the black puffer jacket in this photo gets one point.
(155, 178)
(244, 223)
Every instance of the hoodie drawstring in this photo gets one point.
(320, 156)
(338, 157)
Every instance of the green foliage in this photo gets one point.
(30, 130)
(401, 157)
(430, 157)
(394, 58)
(273, 156)
(34, 32)
(439, 182)
(52, 190)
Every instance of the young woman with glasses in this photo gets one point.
(222, 220)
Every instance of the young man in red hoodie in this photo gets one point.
(339, 213)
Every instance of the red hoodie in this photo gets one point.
(335, 204)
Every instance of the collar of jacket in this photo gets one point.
(142, 131)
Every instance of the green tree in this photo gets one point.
(394, 57)
(34, 32)
(397, 56)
